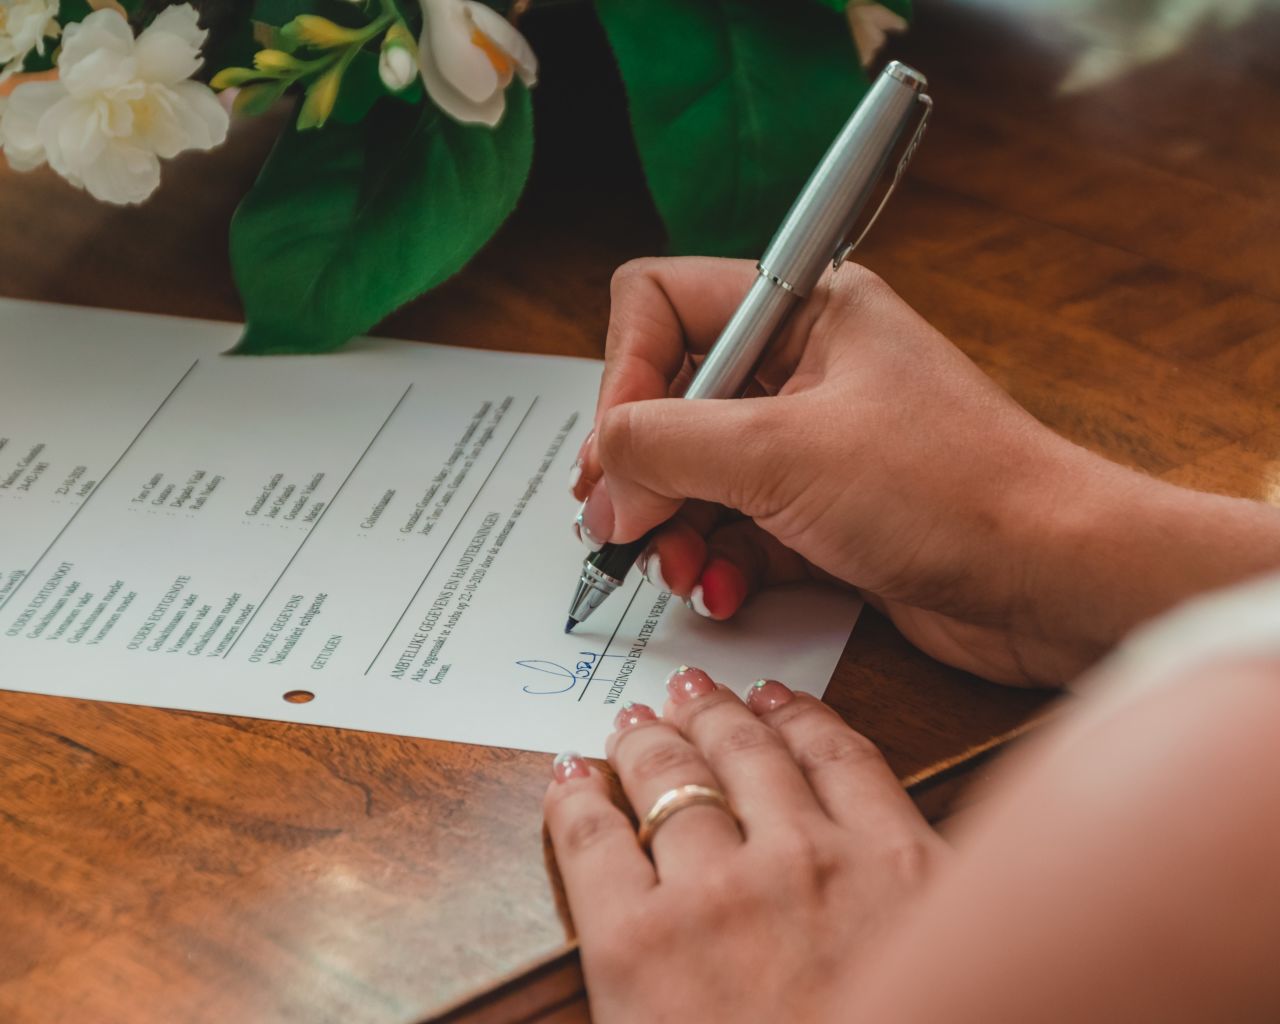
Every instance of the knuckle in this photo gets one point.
(804, 716)
(858, 280)
(796, 849)
(613, 435)
(661, 760)
(908, 861)
(585, 831)
(839, 748)
(743, 738)
(801, 863)
(721, 893)
(721, 886)
(626, 274)
(690, 716)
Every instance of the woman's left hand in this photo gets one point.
(764, 919)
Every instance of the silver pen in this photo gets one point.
(815, 231)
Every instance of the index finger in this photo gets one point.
(661, 311)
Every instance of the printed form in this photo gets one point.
(377, 539)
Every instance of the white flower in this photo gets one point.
(469, 54)
(871, 24)
(24, 26)
(117, 107)
(397, 63)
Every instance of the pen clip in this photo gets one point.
(847, 248)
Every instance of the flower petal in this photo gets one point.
(97, 53)
(446, 44)
(508, 38)
(169, 48)
(23, 28)
(455, 104)
(72, 131)
(181, 20)
(123, 173)
(20, 123)
(204, 119)
(175, 118)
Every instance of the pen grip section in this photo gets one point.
(616, 560)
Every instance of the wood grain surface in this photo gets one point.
(1111, 258)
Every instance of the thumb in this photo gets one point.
(655, 454)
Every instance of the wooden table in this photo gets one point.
(1112, 259)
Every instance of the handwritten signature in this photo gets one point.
(570, 676)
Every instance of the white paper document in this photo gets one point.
(378, 539)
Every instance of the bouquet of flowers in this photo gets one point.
(412, 131)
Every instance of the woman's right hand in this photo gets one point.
(874, 453)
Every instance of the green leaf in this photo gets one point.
(361, 88)
(732, 103)
(347, 223)
(899, 7)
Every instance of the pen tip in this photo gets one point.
(568, 628)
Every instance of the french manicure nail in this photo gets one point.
(765, 695)
(568, 766)
(595, 518)
(686, 684)
(584, 534)
(652, 569)
(575, 474)
(698, 601)
(633, 714)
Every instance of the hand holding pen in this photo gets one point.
(816, 230)
(876, 454)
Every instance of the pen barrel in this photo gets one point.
(728, 365)
(823, 215)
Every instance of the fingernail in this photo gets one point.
(582, 533)
(595, 518)
(633, 714)
(575, 474)
(698, 601)
(686, 684)
(765, 695)
(652, 569)
(568, 766)
(720, 590)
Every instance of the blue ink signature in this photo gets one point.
(581, 670)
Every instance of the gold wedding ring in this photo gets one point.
(675, 800)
